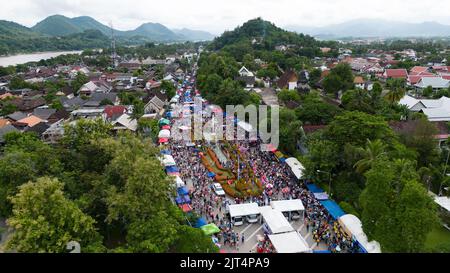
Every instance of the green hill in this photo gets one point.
(57, 25)
(10, 29)
(264, 33)
(15, 38)
(155, 32)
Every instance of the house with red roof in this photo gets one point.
(113, 112)
(395, 74)
(418, 70)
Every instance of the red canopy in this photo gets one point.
(271, 148)
(166, 127)
(163, 140)
(186, 208)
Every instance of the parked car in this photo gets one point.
(252, 218)
(238, 221)
(218, 189)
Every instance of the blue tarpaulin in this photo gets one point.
(210, 174)
(183, 200)
(322, 251)
(314, 188)
(165, 152)
(172, 169)
(182, 191)
(333, 208)
(201, 222)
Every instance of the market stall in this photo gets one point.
(290, 242)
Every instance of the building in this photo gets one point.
(288, 80)
(395, 74)
(437, 83)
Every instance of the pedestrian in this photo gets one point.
(243, 239)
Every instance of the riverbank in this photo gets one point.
(33, 57)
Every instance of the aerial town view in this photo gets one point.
(228, 127)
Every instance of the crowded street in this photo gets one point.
(317, 227)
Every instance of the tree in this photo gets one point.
(421, 138)
(290, 131)
(396, 209)
(45, 221)
(315, 76)
(286, 95)
(169, 88)
(427, 92)
(356, 127)
(374, 150)
(7, 108)
(193, 240)
(357, 100)
(396, 90)
(315, 111)
(340, 78)
(25, 158)
(79, 81)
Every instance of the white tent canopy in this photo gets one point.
(290, 242)
(276, 222)
(168, 160)
(164, 134)
(243, 209)
(288, 205)
(179, 182)
(443, 202)
(353, 226)
(296, 167)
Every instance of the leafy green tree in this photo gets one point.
(356, 127)
(421, 138)
(192, 240)
(286, 95)
(79, 81)
(396, 209)
(290, 130)
(7, 108)
(45, 221)
(396, 90)
(374, 150)
(340, 78)
(315, 111)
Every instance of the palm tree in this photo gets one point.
(397, 90)
(374, 150)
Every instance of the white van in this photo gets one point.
(238, 221)
(252, 218)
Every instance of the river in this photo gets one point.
(33, 57)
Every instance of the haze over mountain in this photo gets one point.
(195, 35)
(375, 28)
(58, 25)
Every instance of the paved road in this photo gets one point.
(269, 96)
(251, 232)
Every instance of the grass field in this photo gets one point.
(438, 236)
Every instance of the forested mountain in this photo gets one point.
(12, 42)
(262, 33)
(58, 32)
(154, 32)
(58, 25)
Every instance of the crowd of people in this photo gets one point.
(279, 184)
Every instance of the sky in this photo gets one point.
(216, 16)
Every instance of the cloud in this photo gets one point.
(218, 15)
